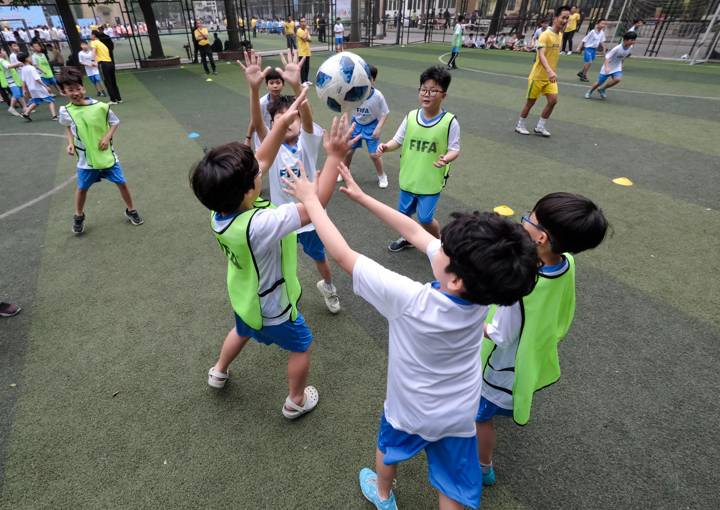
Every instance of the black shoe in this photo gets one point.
(399, 245)
(26, 117)
(78, 224)
(134, 217)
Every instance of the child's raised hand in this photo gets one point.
(353, 191)
(338, 141)
(299, 187)
(291, 71)
(292, 113)
(254, 73)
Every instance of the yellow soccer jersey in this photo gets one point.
(551, 42)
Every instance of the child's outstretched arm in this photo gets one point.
(305, 191)
(255, 75)
(404, 225)
(291, 75)
(337, 143)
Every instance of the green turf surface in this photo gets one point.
(141, 312)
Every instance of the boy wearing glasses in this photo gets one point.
(430, 140)
(520, 350)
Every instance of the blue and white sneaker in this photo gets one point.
(489, 477)
(602, 93)
(368, 486)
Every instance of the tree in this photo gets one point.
(232, 25)
(156, 50)
(69, 25)
(498, 15)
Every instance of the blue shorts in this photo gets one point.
(425, 205)
(293, 336)
(312, 245)
(338, 41)
(16, 91)
(365, 131)
(453, 464)
(486, 411)
(86, 177)
(95, 78)
(49, 81)
(41, 100)
(454, 50)
(589, 55)
(602, 78)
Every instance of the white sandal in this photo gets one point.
(217, 379)
(292, 411)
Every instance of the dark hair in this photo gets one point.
(573, 222)
(460, 18)
(69, 76)
(495, 258)
(638, 20)
(223, 176)
(629, 36)
(22, 56)
(438, 74)
(273, 74)
(599, 20)
(96, 33)
(560, 9)
(279, 105)
(373, 71)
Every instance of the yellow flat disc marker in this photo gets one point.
(209, 79)
(622, 181)
(504, 210)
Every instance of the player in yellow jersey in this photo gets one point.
(543, 76)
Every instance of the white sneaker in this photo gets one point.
(542, 131)
(382, 181)
(588, 94)
(519, 128)
(13, 111)
(329, 293)
(339, 178)
(569, 53)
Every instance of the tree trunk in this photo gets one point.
(232, 25)
(69, 24)
(498, 15)
(156, 50)
(522, 15)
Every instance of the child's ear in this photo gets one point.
(456, 284)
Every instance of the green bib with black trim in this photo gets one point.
(421, 147)
(547, 313)
(13, 73)
(42, 62)
(91, 125)
(243, 278)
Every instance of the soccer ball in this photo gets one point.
(343, 81)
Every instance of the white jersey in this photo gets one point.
(8, 36)
(434, 374)
(31, 78)
(307, 150)
(267, 228)
(614, 59)
(372, 109)
(65, 120)
(87, 58)
(339, 30)
(593, 39)
(453, 136)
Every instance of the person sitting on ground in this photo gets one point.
(510, 42)
(469, 41)
(490, 42)
(217, 45)
(480, 41)
(520, 44)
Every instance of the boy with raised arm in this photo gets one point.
(434, 371)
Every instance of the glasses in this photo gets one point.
(526, 219)
(429, 92)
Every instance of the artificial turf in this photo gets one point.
(110, 408)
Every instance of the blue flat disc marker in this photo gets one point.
(193, 135)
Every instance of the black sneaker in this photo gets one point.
(78, 224)
(26, 117)
(399, 245)
(134, 217)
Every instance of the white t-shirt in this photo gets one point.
(371, 109)
(505, 332)
(8, 36)
(614, 59)
(87, 58)
(31, 78)
(453, 137)
(307, 150)
(339, 30)
(13, 59)
(267, 228)
(593, 39)
(65, 120)
(434, 372)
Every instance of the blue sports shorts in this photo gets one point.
(312, 245)
(16, 92)
(486, 410)
(602, 78)
(589, 55)
(293, 336)
(338, 41)
(453, 464)
(365, 131)
(49, 81)
(425, 205)
(95, 78)
(86, 177)
(41, 100)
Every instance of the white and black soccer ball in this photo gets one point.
(343, 81)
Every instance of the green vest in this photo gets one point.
(43, 64)
(547, 313)
(13, 73)
(243, 279)
(421, 147)
(91, 124)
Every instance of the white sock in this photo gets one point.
(541, 123)
(486, 468)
